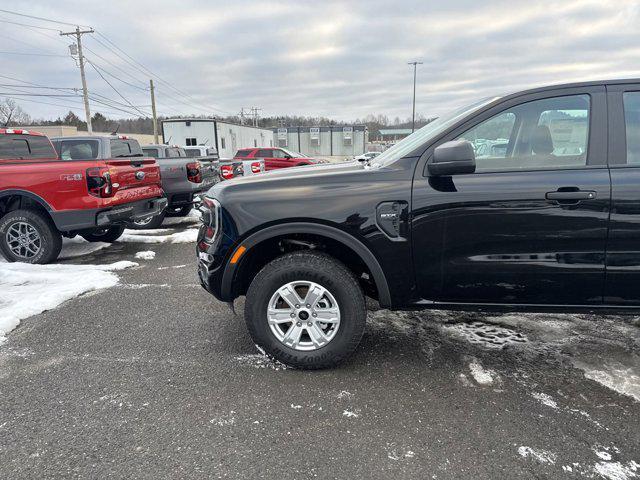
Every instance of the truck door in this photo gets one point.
(530, 225)
(623, 248)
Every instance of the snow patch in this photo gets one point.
(542, 456)
(545, 399)
(350, 414)
(28, 290)
(225, 420)
(146, 255)
(617, 470)
(260, 361)
(345, 394)
(134, 236)
(620, 378)
(480, 374)
(486, 335)
(296, 407)
(78, 247)
(396, 455)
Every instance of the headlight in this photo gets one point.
(210, 209)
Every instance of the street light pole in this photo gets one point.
(413, 115)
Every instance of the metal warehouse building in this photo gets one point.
(341, 141)
(225, 137)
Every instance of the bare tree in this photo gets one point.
(11, 113)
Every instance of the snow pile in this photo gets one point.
(480, 374)
(617, 470)
(146, 255)
(31, 289)
(135, 236)
(78, 246)
(193, 217)
(486, 335)
(614, 375)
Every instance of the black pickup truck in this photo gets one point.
(544, 217)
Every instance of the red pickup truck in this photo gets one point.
(44, 197)
(275, 158)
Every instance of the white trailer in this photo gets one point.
(225, 137)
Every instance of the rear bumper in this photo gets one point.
(69, 221)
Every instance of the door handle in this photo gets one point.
(564, 196)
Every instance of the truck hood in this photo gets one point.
(305, 173)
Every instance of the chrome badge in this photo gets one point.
(139, 175)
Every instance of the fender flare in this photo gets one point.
(31, 195)
(384, 296)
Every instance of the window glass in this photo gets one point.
(41, 147)
(78, 149)
(172, 152)
(278, 154)
(21, 146)
(151, 152)
(632, 121)
(222, 142)
(243, 153)
(120, 148)
(192, 152)
(266, 153)
(191, 142)
(548, 133)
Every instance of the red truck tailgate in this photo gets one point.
(136, 178)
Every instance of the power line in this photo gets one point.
(33, 54)
(27, 25)
(104, 70)
(115, 89)
(160, 79)
(41, 18)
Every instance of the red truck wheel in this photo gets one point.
(29, 236)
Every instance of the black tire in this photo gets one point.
(330, 274)
(106, 234)
(50, 238)
(154, 222)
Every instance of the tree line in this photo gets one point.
(11, 114)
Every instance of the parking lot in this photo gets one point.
(153, 378)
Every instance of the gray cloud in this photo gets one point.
(338, 59)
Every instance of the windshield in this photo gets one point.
(294, 154)
(430, 130)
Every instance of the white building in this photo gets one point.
(227, 138)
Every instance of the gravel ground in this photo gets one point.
(154, 378)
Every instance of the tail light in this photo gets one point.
(255, 167)
(99, 182)
(226, 172)
(194, 174)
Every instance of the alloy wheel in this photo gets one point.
(303, 315)
(23, 240)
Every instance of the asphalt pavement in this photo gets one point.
(154, 378)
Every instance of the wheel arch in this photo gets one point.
(268, 236)
(14, 199)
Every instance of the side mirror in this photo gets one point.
(453, 158)
(287, 156)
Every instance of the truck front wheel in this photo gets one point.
(104, 234)
(29, 236)
(306, 310)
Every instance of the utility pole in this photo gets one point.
(254, 112)
(413, 115)
(78, 33)
(242, 116)
(153, 111)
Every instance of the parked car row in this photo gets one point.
(91, 187)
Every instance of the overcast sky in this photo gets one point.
(342, 60)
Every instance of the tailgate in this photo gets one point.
(133, 172)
